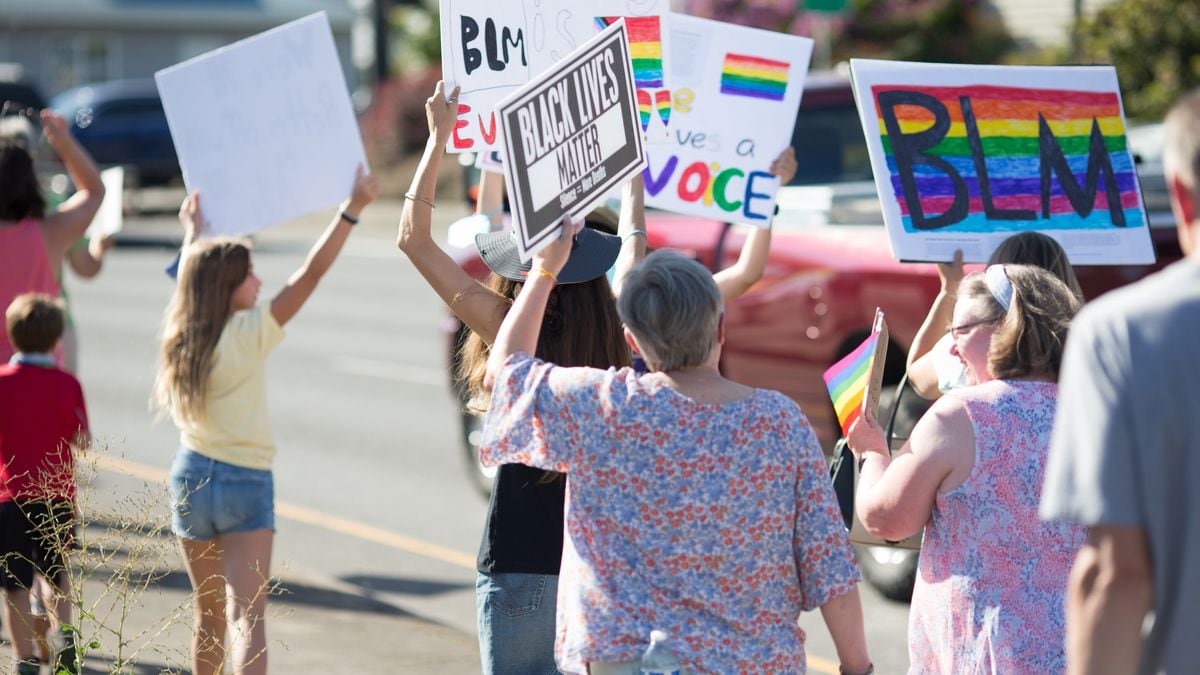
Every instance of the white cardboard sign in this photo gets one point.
(110, 217)
(492, 47)
(967, 156)
(264, 128)
(737, 92)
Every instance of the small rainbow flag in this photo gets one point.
(645, 48)
(645, 107)
(847, 382)
(754, 77)
(662, 100)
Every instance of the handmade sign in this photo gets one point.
(570, 136)
(854, 382)
(966, 156)
(491, 48)
(264, 128)
(110, 217)
(736, 91)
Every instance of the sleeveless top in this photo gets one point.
(992, 579)
(24, 268)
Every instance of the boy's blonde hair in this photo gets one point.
(35, 322)
(209, 273)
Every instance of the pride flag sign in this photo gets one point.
(975, 154)
(755, 77)
(858, 377)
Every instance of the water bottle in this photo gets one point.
(659, 659)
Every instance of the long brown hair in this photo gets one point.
(20, 195)
(208, 275)
(581, 328)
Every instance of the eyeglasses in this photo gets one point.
(959, 331)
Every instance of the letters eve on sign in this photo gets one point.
(965, 156)
(570, 136)
(264, 127)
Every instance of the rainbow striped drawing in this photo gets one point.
(1004, 155)
(847, 382)
(662, 101)
(754, 77)
(645, 107)
(645, 48)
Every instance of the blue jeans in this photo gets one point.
(210, 497)
(516, 623)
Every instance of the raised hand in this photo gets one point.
(191, 218)
(784, 166)
(951, 273)
(54, 127)
(366, 190)
(441, 112)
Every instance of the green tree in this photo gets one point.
(938, 31)
(1155, 46)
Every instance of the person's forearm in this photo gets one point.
(522, 325)
(85, 263)
(632, 229)
(1105, 612)
(936, 323)
(491, 198)
(323, 253)
(843, 617)
(751, 263)
(79, 165)
(418, 213)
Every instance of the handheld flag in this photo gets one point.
(855, 381)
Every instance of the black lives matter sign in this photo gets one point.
(570, 136)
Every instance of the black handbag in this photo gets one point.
(844, 473)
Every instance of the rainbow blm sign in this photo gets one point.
(854, 382)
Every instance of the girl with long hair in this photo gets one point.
(215, 340)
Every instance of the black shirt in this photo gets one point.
(524, 528)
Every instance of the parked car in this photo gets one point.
(123, 123)
(829, 267)
(16, 91)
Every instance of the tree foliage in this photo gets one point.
(1155, 46)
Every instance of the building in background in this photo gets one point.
(1045, 23)
(64, 43)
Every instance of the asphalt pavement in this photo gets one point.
(377, 523)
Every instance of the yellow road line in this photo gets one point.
(352, 528)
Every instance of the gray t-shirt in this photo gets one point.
(1126, 444)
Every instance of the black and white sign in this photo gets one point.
(570, 136)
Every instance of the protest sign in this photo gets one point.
(966, 156)
(491, 48)
(736, 94)
(110, 217)
(264, 128)
(570, 136)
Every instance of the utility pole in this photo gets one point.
(383, 54)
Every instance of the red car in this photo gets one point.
(824, 279)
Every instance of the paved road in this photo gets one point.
(371, 488)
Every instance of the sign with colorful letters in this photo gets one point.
(735, 94)
(490, 48)
(966, 156)
(570, 136)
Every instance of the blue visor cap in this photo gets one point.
(592, 254)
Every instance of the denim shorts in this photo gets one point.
(210, 498)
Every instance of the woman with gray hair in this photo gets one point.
(991, 585)
(696, 505)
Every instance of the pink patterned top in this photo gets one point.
(716, 523)
(992, 580)
(24, 268)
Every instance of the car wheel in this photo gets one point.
(472, 433)
(891, 571)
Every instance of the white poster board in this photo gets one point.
(110, 217)
(966, 156)
(264, 128)
(737, 92)
(570, 136)
(492, 47)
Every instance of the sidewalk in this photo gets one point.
(139, 596)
